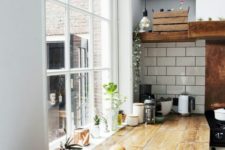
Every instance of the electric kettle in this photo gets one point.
(186, 104)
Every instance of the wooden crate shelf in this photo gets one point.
(196, 30)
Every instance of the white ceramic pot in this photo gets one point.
(220, 114)
(138, 110)
(132, 120)
(166, 107)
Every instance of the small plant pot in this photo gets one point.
(96, 131)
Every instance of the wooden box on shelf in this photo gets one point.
(170, 21)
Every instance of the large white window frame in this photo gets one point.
(67, 71)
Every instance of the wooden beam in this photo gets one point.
(164, 36)
(207, 30)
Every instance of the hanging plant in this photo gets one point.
(136, 58)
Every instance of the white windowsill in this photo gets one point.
(93, 141)
(103, 137)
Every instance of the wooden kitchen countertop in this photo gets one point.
(176, 133)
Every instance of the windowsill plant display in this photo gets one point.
(116, 100)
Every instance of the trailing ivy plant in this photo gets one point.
(136, 58)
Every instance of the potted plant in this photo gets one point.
(116, 101)
(68, 145)
(96, 128)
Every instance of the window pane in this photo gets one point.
(100, 78)
(83, 4)
(79, 98)
(55, 57)
(55, 24)
(102, 8)
(79, 31)
(101, 35)
(55, 18)
(56, 107)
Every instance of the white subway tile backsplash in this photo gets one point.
(175, 70)
(144, 71)
(156, 70)
(148, 44)
(185, 80)
(195, 71)
(166, 80)
(149, 80)
(195, 90)
(200, 61)
(185, 44)
(200, 43)
(200, 100)
(185, 61)
(166, 61)
(169, 44)
(199, 109)
(144, 52)
(158, 89)
(175, 89)
(156, 51)
(175, 51)
(200, 80)
(195, 51)
(149, 61)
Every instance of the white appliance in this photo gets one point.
(186, 104)
(220, 114)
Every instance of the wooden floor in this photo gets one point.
(176, 133)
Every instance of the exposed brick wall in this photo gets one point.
(175, 68)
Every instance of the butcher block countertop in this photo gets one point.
(176, 133)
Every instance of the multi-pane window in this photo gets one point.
(79, 41)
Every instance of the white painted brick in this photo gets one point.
(200, 61)
(144, 52)
(200, 80)
(149, 61)
(200, 43)
(169, 44)
(167, 80)
(148, 45)
(158, 89)
(200, 100)
(185, 80)
(195, 71)
(195, 90)
(149, 80)
(175, 89)
(166, 61)
(175, 51)
(156, 70)
(185, 44)
(199, 109)
(175, 70)
(185, 61)
(156, 51)
(195, 51)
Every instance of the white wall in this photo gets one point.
(22, 121)
(209, 8)
(125, 52)
(137, 9)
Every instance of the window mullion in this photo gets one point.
(91, 77)
(67, 66)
